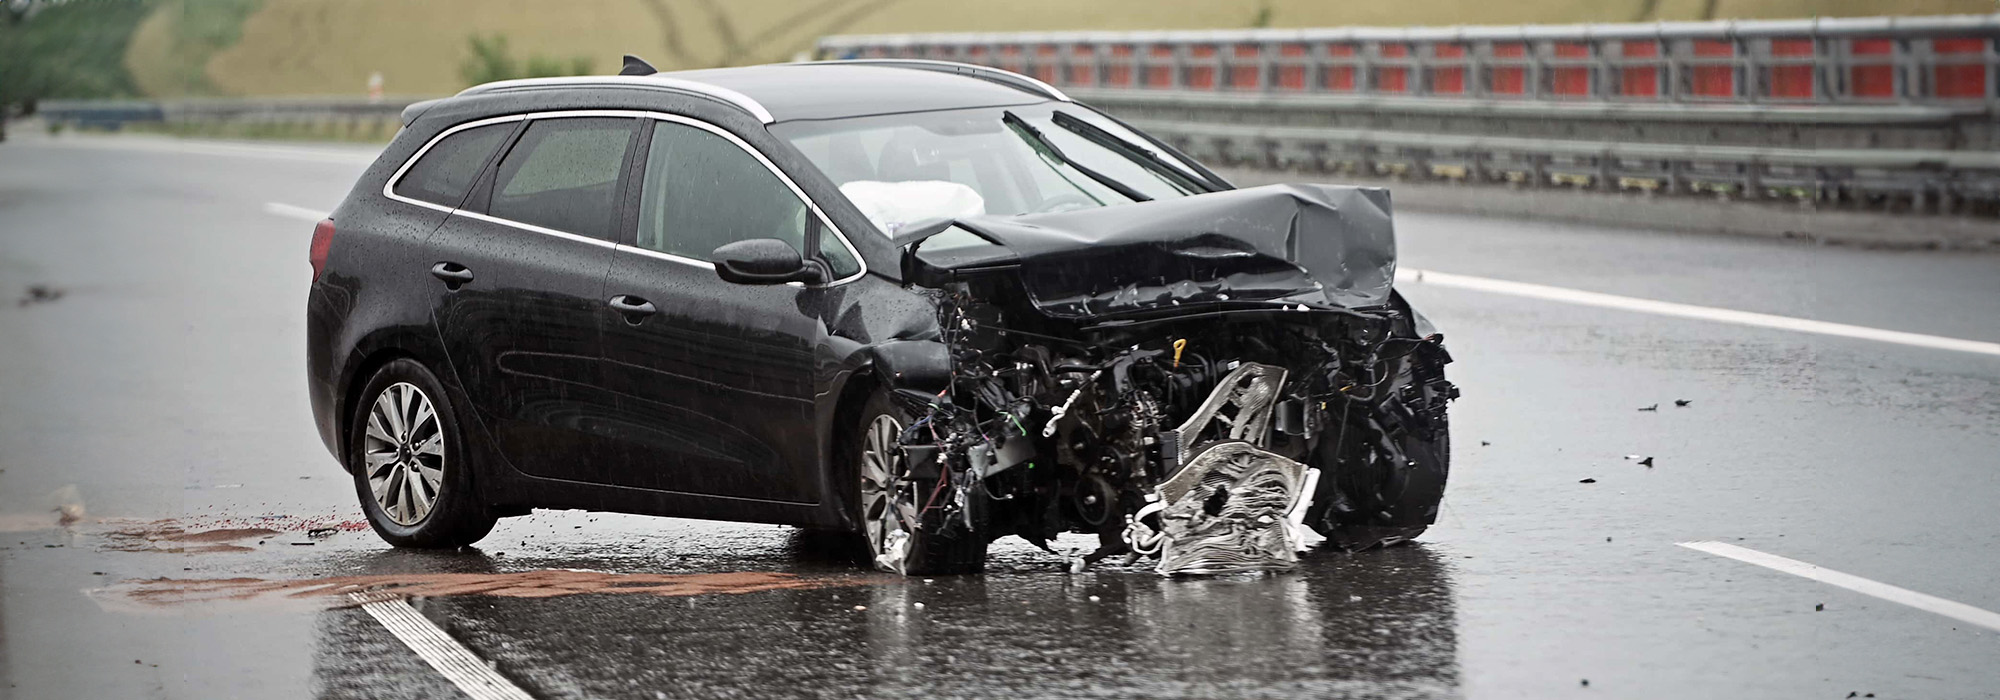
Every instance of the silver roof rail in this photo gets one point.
(658, 82)
(987, 73)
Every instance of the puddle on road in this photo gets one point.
(167, 595)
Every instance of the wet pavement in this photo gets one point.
(158, 402)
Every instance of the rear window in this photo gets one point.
(446, 171)
(563, 175)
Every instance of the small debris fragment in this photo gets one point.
(303, 544)
(1483, 443)
(1654, 407)
(229, 486)
(918, 606)
(1586, 682)
(1607, 539)
(1681, 403)
(97, 573)
(1586, 481)
(320, 533)
(1647, 463)
(1094, 599)
(40, 294)
(859, 608)
(1821, 607)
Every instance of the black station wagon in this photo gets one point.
(928, 303)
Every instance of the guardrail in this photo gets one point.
(1947, 60)
(1882, 113)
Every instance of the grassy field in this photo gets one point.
(298, 47)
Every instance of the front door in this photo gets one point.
(525, 260)
(716, 380)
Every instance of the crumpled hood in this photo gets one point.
(1326, 244)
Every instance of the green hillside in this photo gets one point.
(298, 47)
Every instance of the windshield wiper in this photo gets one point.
(1148, 159)
(1040, 143)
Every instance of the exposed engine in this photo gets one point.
(1224, 440)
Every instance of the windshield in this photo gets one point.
(1033, 159)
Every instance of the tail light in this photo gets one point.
(322, 242)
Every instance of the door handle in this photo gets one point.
(634, 309)
(453, 274)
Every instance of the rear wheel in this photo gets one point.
(891, 500)
(408, 460)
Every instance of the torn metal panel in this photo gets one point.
(1227, 512)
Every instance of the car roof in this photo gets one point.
(830, 89)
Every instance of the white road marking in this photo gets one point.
(211, 148)
(1705, 313)
(1894, 594)
(443, 653)
(294, 212)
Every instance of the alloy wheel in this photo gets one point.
(888, 497)
(403, 453)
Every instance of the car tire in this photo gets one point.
(407, 455)
(880, 479)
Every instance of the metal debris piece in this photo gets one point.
(1229, 510)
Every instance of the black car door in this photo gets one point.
(716, 380)
(525, 259)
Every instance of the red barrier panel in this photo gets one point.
(1119, 74)
(1639, 81)
(1083, 65)
(1045, 62)
(1869, 79)
(1510, 80)
(1713, 80)
(1292, 77)
(1010, 58)
(1958, 80)
(1791, 81)
(1160, 76)
(1201, 76)
(1570, 81)
(1340, 78)
(1243, 72)
(1393, 78)
(1448, 79)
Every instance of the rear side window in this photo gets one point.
(563, 175)
(703, 191)
(446, 171)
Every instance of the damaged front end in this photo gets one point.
(1219, 381)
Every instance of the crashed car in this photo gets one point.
(928, 303)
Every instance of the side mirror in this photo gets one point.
(764, 261)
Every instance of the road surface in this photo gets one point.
(159, 397)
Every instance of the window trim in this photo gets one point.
(389, 188)
(826, 223)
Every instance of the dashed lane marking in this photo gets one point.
(294, 212)
(1705, 313)
(1894, 594)
(458, 664)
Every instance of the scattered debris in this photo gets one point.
(1820, 607)
(1654, 407)
(1094, 599)
(859, 608)
(40, 294)
(1483, 443)
(918, 606)
(1647, 463)
(1681, 403)
(1586, 481)
(1586, 682)
(320, 533)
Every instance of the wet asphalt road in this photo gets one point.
(163, 394)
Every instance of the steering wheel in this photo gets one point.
(1065, 202)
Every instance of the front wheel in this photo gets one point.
(901, 538)
(407, 455)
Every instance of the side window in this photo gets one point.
(563, 174)
(447, 170)
(702, 191)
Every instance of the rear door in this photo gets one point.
(717, 382)
(524, 262)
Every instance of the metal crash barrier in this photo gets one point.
(1896, 112)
